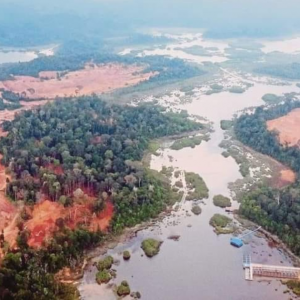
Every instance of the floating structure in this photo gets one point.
(252, 270)
(238, 242)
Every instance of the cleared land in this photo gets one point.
(45, 216)
(92, 79)
(287, 128)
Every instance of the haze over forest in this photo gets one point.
(31, 22)
(149, 148)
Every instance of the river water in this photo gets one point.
(201, 265)
(16, 56)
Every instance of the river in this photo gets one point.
(201, 265)
(16, 56)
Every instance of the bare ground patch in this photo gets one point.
(47, 216)
(92, 79)
(287, 128)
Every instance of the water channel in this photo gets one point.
(201, 265)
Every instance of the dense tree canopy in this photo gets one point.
(75, 144)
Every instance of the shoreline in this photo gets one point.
(74, 276)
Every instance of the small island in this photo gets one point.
(126, 255)
(106, 263)
(123, 289)
(237, 89)
(271, 99)
(226, 124)
(189, 142)
(105, 274)
(221, 224)
(221, 201)
(151, 247)
(196, 209)
(196, 185)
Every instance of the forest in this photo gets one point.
(278, 211)
(251, 129)
(168, 69)
(288, 71)
(97, 148)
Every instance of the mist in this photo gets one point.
(36, 22)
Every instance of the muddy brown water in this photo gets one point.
(201, 265)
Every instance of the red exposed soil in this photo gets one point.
(92, 79)
(282, 177)
(42, 225)
(287, 128)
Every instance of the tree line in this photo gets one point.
(278, 211)
(97, 147)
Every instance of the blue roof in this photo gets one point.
(236, 242)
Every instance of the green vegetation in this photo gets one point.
(98, 148)
(276, 210)
(106, 263)
(168, 70)
(103, 276)
(167, 171)
(61, 134)
(221, 201)
(288, 71)
(196, 209)
(151, 247)
(226, 124)
(196, 185)
(123, 289)
(251, 130)
(126, 255)
(293, 285)
(9, 106)
(188, 142)
(179, 184)
(237, 90)
(34, 270)
(214, 88)
(153, 147)
(220, 223)
(271, 99)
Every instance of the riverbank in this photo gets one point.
(272, 239)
